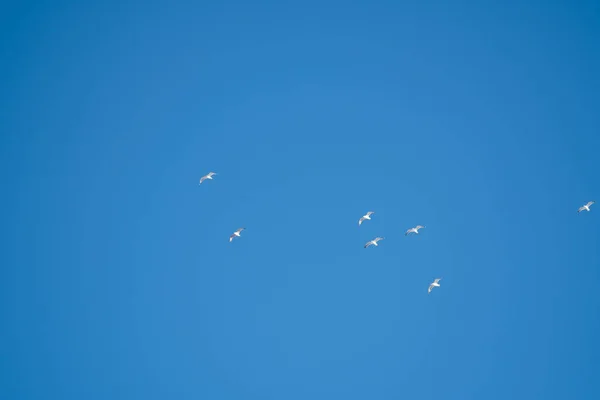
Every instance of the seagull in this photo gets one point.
(586, 207)
(434, 283)
(207, 176)
(415, 230)
(236, 233)
(373, 242)
(367, 216)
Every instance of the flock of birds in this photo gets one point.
(367, 217)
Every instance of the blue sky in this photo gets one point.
(478, 120)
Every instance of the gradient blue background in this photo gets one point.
(477, 119)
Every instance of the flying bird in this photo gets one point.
(366, 216)
(236, 233)
(207, 176)
(434, 283)
(373, 242)
(586, 207)
(415, 230)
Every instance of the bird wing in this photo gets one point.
(203, 179)
(361, 220)
(240, 230)
(368, 244)
(430, 287)
(370, 212)
(377, 239)
(589, 203)
(231, 237)
(437, 280)
(581, 209)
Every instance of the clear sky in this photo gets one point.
(476, 119)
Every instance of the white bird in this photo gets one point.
(366, 216)
(434, 283)
(207, 176)
(236, 233)
(373, 242)
(415, 230)
(586, 207)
